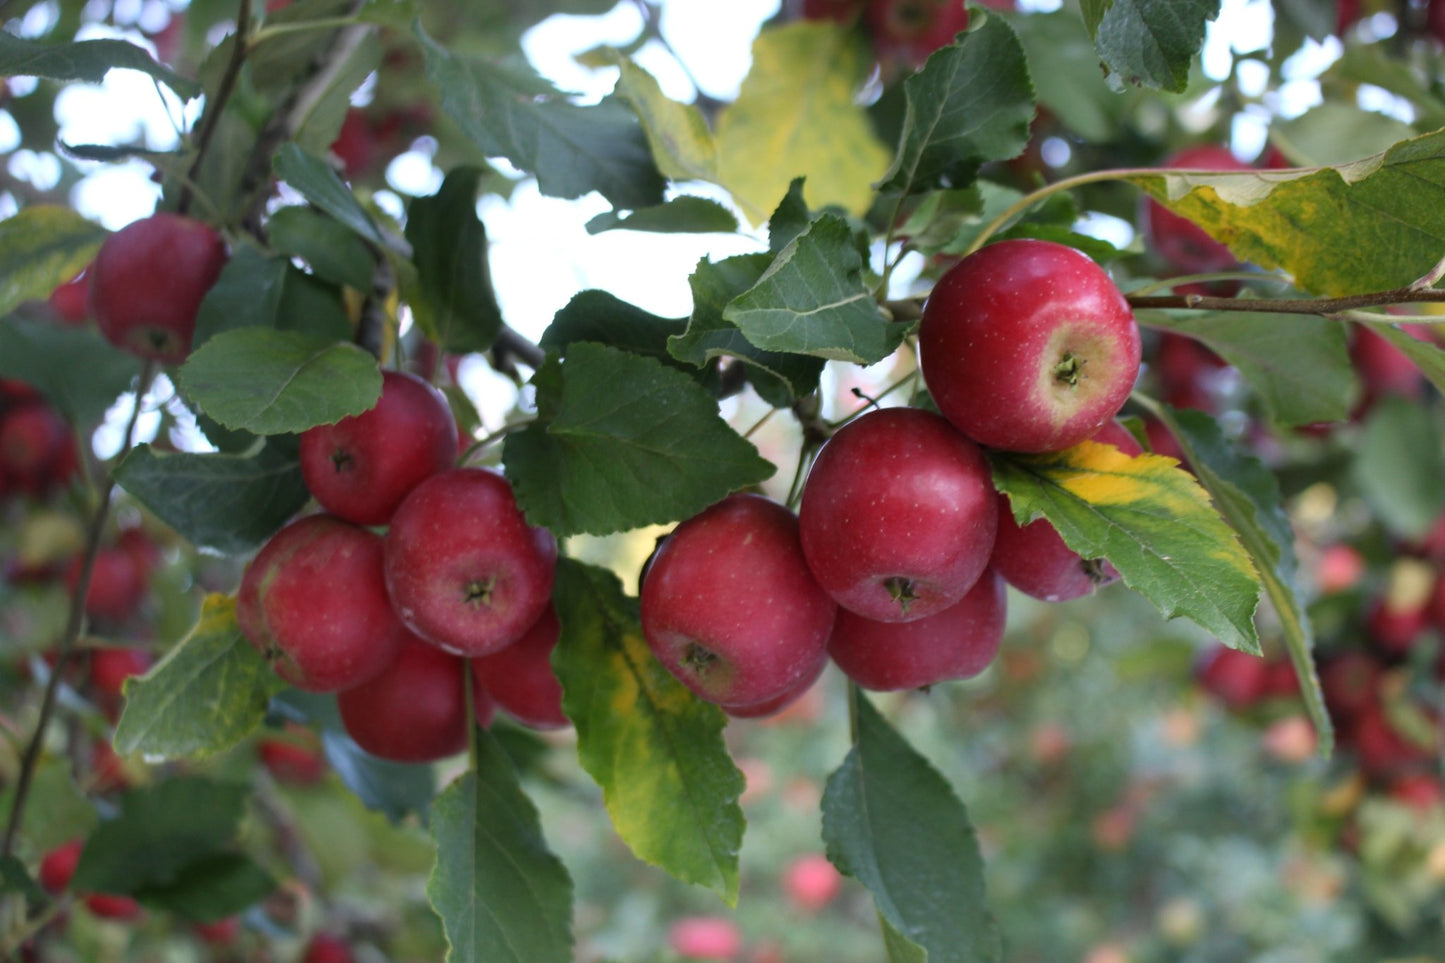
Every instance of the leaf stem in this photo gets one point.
(216, 106)
(75, 624)
(854, 694)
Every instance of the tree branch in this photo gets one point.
(1320, 306)
(216, 106)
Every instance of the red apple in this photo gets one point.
(112, 907)
(705, 938)
(1181, 243)
(416, 710)
(32, 438)
(222, 932)
(1422, 790)
(898, 515)
(1351, 683)
(325, 948)
(109, 668)
(147, 283)
(843, 11)
(117, 585)
(1338, 568)
(1034, 559)
(361, 467)
(1435, 19)
(1383, 368)
(314, 602)
(520, 679)
(1382, 749)
(296, 760)
(1191, 375)
(58, 866)
(956, 643)
(464, 569)
(729, 606)
(811, 882)
(1236, 678)
(783, 700)
(70, 301)
(1028, 346)
(910, 30)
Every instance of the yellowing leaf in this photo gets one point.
(1152, 520)
(1375, 224)
(682, 146)
(796, 116)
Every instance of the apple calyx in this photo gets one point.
(900, 590)
(699, 658)
(478, 593)
(1069, 370)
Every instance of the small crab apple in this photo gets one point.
(705, 938)
(811, 882)
(361, 467)
(898, 515)
(1028, 346)
(956, 643)
(147, 283)
(1237, 679)
(520, 679)
(464, 569)
(416, 710)
(1034, 559)
(729, 606)
(784, 699)
(314, 602)
(1182, 244)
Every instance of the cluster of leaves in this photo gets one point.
(626, 430)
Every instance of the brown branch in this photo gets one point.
(216, 106)
(1320, 306)
(511, 343)
(75, 623)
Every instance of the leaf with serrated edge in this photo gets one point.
(501, 894)
(681, 144)
(811, 300)
(315, 180)
(655, 749)
(893, 822)
(1373, 225)
(1248, 496)
(77, 370)
(1152, 520)
(270, 382)
(971, 102)
(625, 441)
(684, 214)
(457, 305)
(797, 115)
(205, 696)
(41, 247)
(86, 60)
(1299, 366)
(1151, 43)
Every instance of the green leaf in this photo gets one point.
(84, 60)
(655, 749)
(790, 218)
(797, 115)
(1399, 466)
(1336, 133)
(160, 834)
(1298, 365)
(606, 319)
(1248, 496)
(14, 878)
(623, 441)
(54, 792)
(1429, 358)
(1149, 43)
(210, 888)
(227, 503)
(680, 215)
(710, 335)
(455, 302)
(1152, 520)
(1070, 85)
(1373, 225)
(970, 103)
(315, 180)
(271, 382)
(42, 247)
(509, 110)
(254, 290)
(501, 894)
(75, 368)
(812, 300)
(681, 144)
(327, 245)
(205, 696)
(893, 822)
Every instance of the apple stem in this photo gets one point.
(1069, 370)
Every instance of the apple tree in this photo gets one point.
(995, 306)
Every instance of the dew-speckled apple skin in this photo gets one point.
(147, 283)
(996, 330)
(957, 643)
(361, 467)
(898, 493)
(728, 604)
(314, 602)
(1034, 559)
(519, 678)
(464, 569)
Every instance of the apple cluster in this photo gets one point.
(895, 564)
(456, 588)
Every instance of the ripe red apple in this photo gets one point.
(910, 30)
(1028, 346)
(325, 948)
(1236, 678)
(1034, 559)
(729, 606)
(314, 602)
(147, 282)
(109, 668)
(361, 467)
(1382, 749)
(416, 710)
(520, 679)
(70, 301)
(705, 938)
(33, 437)
(956, 643)
(464, 569)
(898, 515)
(117, 584)
(296, 760)
(1191, 375)
(1351, 683)
(57, 868)
(1422, 790)
(1182, 244)
(788, 697)
(1435, 19)
(222, 932)
(1383, 368)
(811, 882)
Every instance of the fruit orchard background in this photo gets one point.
(1120, 786)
